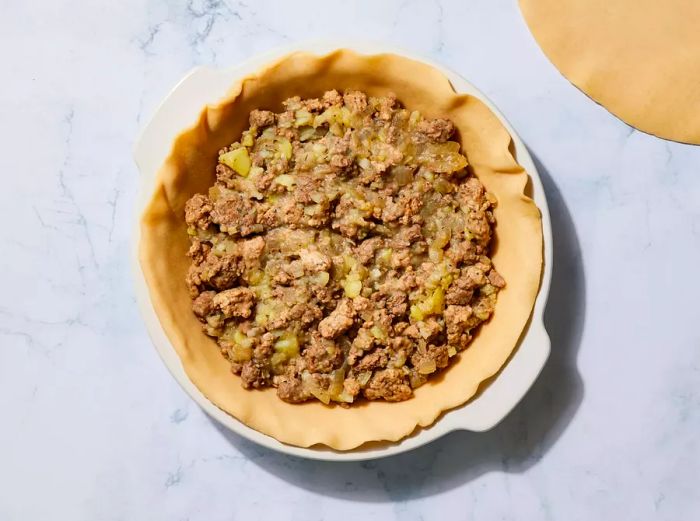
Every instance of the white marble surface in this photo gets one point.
(94, 428)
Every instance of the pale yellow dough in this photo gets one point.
(640, 59)
(190, 169)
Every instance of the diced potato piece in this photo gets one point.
(285, 180)
(215, 321)
(398, 360)
(442, 238)
(345, 397)
(248, 139)
(224, 247)
(443, 186)
(349, 262)
(482, 314)
(427, 367)
(238, 160)
(255, 277)
(352, 288)
(363, 378)
(435, 254)
(307, 133)
(417, 312)
(303, 117)
(240, 353)
(241, 339)
(278, 362)
(334, 116)
(432, 305)
(403, 175)
(437, 301)
(321, 278)
(487, 289)
(416, 379)
(288, 344)
(285, 148)
(263, 312)
(336, 129)
(378, 332)
(384, 256)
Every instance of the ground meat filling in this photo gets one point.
(343, 250)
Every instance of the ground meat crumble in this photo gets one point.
(343, 250)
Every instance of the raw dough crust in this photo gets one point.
(190, 169)
(640, 59)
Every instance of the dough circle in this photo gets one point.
(190, 169)
(640, 59)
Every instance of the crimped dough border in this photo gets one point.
(517, 252)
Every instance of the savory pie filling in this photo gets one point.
(343, 250)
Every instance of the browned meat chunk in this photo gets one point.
(365, 251)
(439, 129)
(251, 250)
(261, 118)
(390, 385)
(217, 272)
(429, 328)
(197, 211)
(437, 354)
(397, 305)
(322, 355)
(332, 97)
(313, 261)
(385, 106)
(235, 215)
(374, 360)
(458, 320)
(236, 302)
(339, 321)
(203, 304)
(496, 279)
(255, 375)
(355, 100)
(290, 389)
(198, 251)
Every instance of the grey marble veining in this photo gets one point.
(94, 428)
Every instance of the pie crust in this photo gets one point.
(517, 246)
(640, 59)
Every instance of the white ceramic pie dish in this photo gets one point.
(180, 109)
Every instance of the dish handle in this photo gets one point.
(514, 381)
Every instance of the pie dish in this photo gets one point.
(522, 241)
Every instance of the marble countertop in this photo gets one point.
(94, 428)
